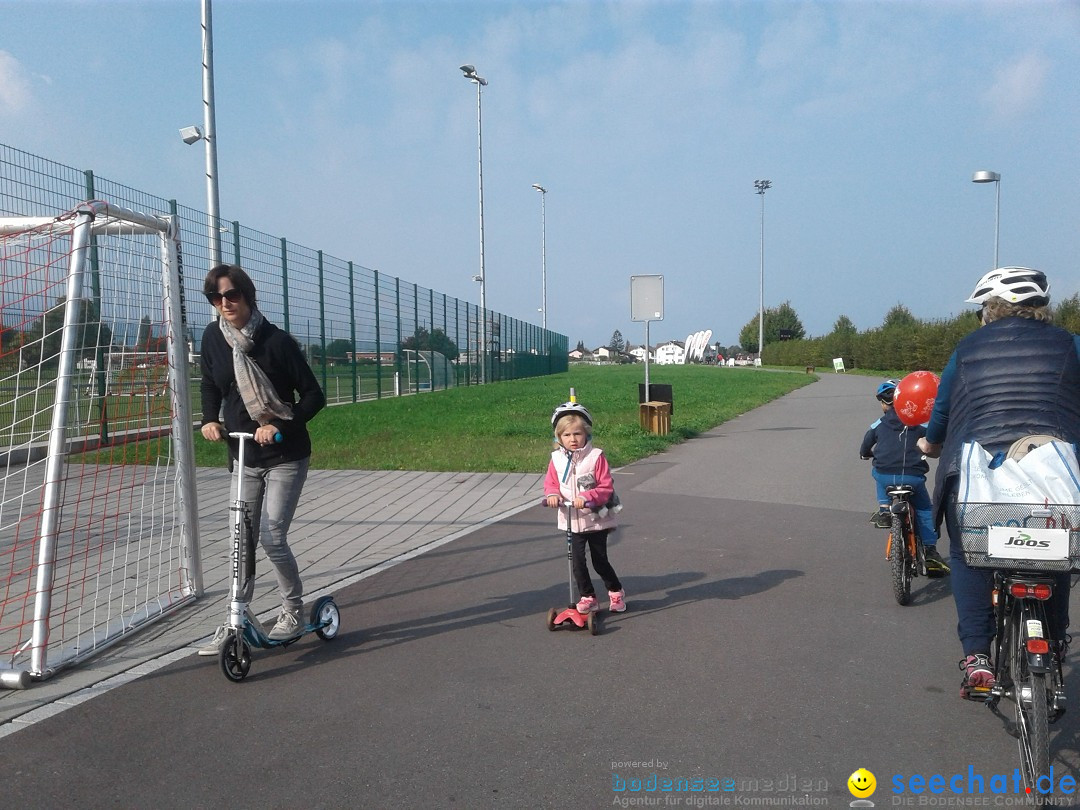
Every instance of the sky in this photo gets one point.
(348, 127)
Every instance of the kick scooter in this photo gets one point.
(243, 633)
(571, 618)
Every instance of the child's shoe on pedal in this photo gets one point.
(881, 518)
(936, 566)
(618, 601)
(978, 677)
(587, 604)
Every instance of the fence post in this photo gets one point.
(352, 334)
(378, 341)
(285, 285)
(236, 243)
(397, 347)
(99, 356)
(322, 323)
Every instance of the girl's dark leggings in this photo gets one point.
(597, 543)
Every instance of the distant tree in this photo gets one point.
(844, 326)
(1067, 314)
(899, 316)
(617, 344)
(777, 318)
(437, 340)
(41, 340)
(144, 332)
(581, 346)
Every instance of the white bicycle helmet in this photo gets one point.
(1017, 285)
(567, 408)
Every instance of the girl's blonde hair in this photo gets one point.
(996, 308)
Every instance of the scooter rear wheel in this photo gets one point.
(551, 614)
(594, 628)
(326, 617)
(235, 659)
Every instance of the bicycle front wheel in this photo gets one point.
(898, 561)
(1030, 700)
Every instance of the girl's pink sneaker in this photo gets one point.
(618, 601)
(587, 604)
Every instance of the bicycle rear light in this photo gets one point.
(1029, 590)
(1039, 646)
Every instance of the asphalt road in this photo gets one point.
(762, 652)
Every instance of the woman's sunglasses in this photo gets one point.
(233, 296)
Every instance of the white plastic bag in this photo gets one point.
(1047, 474)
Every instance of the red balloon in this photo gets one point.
(914, 397)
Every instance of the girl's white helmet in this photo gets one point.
(568, 408)
(1016, 285)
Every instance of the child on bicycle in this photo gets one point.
(897, 460)
(579, 473)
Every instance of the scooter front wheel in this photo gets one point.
(235, 659)
(551, 614)
(326, 618)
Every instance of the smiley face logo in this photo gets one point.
(861, 783)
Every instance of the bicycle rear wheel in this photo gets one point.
(899, 562)
(1030, 700)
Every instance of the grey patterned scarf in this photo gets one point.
(261, 400)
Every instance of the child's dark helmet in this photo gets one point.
(885, 392)
(568, 408)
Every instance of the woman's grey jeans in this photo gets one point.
(277, 489)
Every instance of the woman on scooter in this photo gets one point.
(255, 379)
(579, 473)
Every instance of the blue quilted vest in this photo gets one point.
(1014, 377)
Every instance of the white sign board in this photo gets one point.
(838, 364)
(646, 298)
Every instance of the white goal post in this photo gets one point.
(98, 519)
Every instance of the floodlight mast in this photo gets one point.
(480, 82)
(762, 186)
(543, 251)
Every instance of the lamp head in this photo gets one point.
(985, 177)
(539, 188)
(190, 134)
(472, 75)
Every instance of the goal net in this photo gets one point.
(98, 518)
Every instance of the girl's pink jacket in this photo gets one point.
(583, 472)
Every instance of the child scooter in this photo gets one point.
(243, 633)
(571, 618)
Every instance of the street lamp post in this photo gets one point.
(543, 251)
(480, 82)
(995, 178)
(208, 133)
(762, 186)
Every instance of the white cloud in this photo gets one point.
(1018, 87)
(14, 87)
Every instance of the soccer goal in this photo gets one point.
(98, 516)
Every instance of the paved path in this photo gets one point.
(349, 524)
(762, 652)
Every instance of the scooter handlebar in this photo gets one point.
(241, 435)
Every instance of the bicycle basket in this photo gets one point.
(976, 519)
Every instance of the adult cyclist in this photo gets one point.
(1015, 376)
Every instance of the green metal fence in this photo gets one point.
(366, 334)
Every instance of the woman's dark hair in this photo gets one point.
(235, 273)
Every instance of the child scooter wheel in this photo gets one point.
(326, 618)
(592, 625)
(235, 659)
(551, 618)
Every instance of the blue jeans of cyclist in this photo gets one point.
(924, 513)
(973, 590)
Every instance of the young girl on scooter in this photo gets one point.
(579, 473)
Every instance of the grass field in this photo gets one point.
(505, 427)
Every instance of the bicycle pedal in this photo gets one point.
(978, 694)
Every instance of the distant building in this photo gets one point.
(670, 353)
(639, 352)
